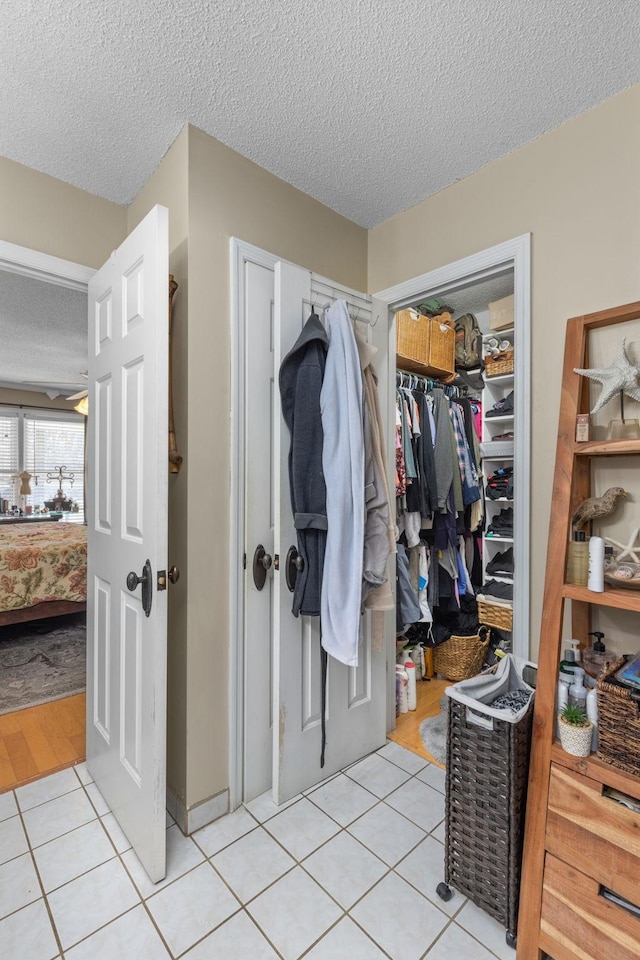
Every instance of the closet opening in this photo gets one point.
(466, 553)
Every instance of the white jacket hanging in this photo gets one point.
(343, 467)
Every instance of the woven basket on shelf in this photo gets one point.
(425, 345)
(460, 658)
(618, 722)
(499, 364)
(495, 615)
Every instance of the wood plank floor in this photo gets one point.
(407, 731)
(41, 740)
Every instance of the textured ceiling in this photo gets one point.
(368, 106)
(44, 334)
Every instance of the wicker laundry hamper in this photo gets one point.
(486, 785)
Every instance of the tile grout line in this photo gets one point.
(296, 862)
(47, 907)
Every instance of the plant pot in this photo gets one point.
(575, 739)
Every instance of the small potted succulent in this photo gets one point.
(576, 730)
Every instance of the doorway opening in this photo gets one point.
(500, 274)
(43, 303)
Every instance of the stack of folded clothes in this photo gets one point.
(496, 589)
(502, 564)
(500, 484)
(502, 524)
(502, 408)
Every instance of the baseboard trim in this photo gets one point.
(200, 814)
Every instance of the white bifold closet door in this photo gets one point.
(356, 696)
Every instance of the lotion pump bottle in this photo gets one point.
(596, 565)
(577, 690)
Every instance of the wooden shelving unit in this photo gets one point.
(579, 841)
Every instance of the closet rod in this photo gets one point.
(418, 381)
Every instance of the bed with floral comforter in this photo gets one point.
(42, 563)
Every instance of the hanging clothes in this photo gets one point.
(343, 466)
(379, 529)
(300, 381)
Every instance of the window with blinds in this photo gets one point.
(9, 459)
(41, 442)
(48, 445)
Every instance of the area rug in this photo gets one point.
(42, 661)
(433, 732)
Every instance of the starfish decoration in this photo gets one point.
(628, 549)
(622, 375)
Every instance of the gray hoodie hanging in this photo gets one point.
(301, 375)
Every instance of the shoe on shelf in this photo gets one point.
(501, 408)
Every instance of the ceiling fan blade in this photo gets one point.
(53, 383)
(79, 395)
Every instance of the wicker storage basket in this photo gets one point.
(495, 615)
(425, 345)
(486, 786)
(499, 364)
(460, 658)
(618, 722)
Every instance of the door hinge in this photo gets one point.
(162, 580)
(244, 561)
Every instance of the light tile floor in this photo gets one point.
(347, 872)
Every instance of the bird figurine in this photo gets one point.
(594, 508)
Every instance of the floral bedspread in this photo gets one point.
(42, 561)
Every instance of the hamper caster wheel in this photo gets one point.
(444, 892)
(511, 939)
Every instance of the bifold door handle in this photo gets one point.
(294, 564)
(262, 562)
(147, 586)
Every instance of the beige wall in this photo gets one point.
(231, 197)
(45, 214)
(169, 185)
(577, 190)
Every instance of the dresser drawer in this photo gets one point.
(577, 920)
(593, 832)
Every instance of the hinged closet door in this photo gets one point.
(356, 696)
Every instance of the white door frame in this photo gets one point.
(512, 254)
(44, 266)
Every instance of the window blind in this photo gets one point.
(8, 454)
(51, 443)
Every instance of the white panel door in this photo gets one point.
(261, 398)
(127, 533)
(356, 696)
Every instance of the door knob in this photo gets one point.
(147, 586)
(262, 561)
(174, 574)
(294, 564)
